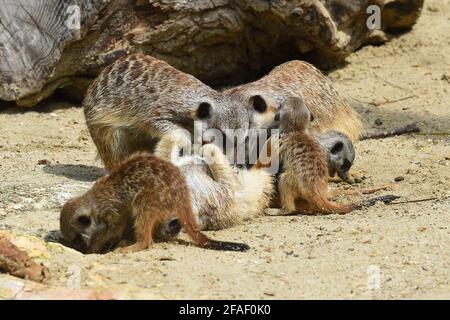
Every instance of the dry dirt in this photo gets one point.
(407, 245)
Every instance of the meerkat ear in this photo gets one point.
(258, 103)
(337, 147)
(204, 111)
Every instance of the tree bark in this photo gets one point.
(222, 42)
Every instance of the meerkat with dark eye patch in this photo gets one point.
(302, 184)
(339, 151)
(264, 97)
(139, 195)
(138, 99)
(222, 195)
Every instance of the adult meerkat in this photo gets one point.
(298, 78)
(141, 194)
(303, 181)
(222, 196)
(139, 99)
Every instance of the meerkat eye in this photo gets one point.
(347, 165)
(259, 104)
(204, 110)
(311, 116)
(337, 148)
(84, 221)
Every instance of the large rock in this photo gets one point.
(18, 263)
(219, 41)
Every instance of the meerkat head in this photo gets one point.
(86, 230)
(340, 152)
(263, 112)
(224, 121)
(294, 115)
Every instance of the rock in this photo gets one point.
(15, 288)
(44, 162)
(33, 246)
(18, 263)
(222, 42)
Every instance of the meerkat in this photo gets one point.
(138, 99)
(137, 197)
(339, 151)
(302, 183)
(297, 78)
(222, 195)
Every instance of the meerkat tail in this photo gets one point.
(372, 201)
(331, 207)
(226, 246)
(191, 227)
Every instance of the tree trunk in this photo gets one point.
(222, 42)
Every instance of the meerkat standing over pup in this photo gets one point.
(140, 194)
(303, 181)
(264, 97)
(138, 99)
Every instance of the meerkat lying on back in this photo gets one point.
(139, 99)
(303, 181)
(297, 78)
(222, 196)
(141, 194)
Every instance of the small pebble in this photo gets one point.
(44, 162)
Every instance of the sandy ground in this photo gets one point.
(387, 251)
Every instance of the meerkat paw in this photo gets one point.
(213, 154)
(138, 246)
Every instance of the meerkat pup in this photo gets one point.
(138, 99)
(141, 194)
(339, 151)
(298, 78)
(222, 196)
(303, 181)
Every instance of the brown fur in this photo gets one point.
(142, 193)
(139, 99)
(303, 182)
(298, 78)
